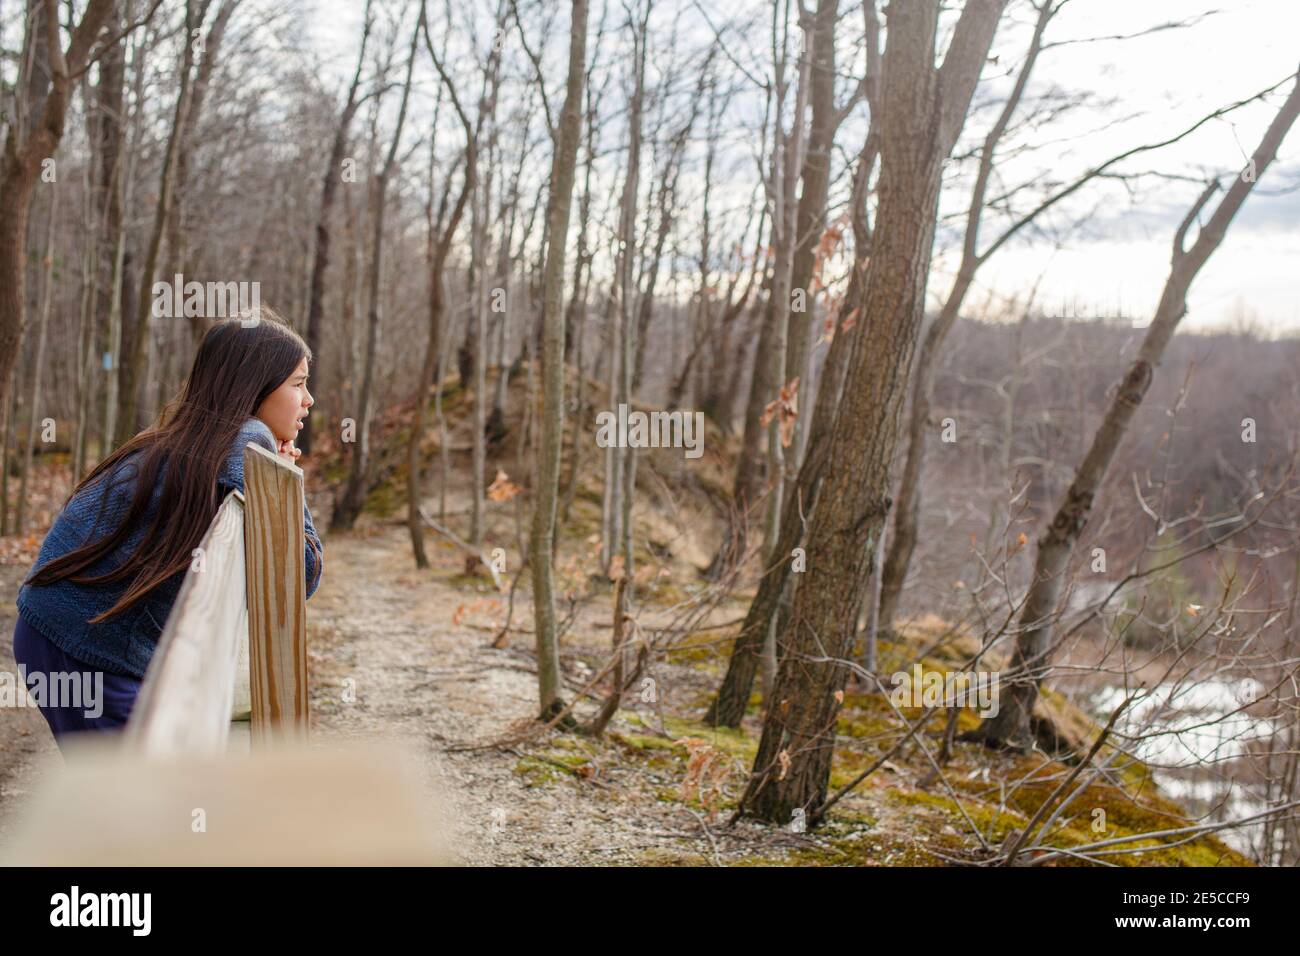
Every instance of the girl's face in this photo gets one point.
(285, 408)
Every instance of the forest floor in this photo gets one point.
(399, 652)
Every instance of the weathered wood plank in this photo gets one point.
(185, 702)
(242, 710)
(277, 596)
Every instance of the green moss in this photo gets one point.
(563, 758)
(867, 717)
(538, 773)
(730, 740)
(703, 647)
(988, 818)
(1123, 817)
(858, 840)
(479, 583)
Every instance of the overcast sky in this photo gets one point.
(1166, 81)
(1174, 78)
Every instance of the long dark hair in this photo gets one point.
(239, 363)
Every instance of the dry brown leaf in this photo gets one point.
(785, 405)
(502, 488)
(708, 770)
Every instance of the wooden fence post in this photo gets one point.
(277, 596)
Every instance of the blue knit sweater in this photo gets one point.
(124, 643)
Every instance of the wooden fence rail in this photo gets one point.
(244, 599)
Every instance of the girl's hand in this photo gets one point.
(286, 449)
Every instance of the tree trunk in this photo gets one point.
(33, 136)
(902, 543)
(136, 365)
(348, 505)
(810, 217)
(440, 239)
(728, 706)
(38, 361)
(177, 231)
(630, 345)
(755, 470)
(106, 133)
(922, 112)
(542, 538)
(667, 215)
(619, 461)
(329, 189)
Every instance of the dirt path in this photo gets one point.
(383, 632)
(418, 674)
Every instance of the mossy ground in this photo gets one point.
(902, 814)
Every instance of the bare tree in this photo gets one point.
(620, 463)
(42, 327)
(922, 112)
(32, 137)
(810, 216)
(348, 505)
(907, 506)
(136, 365)
(542, 540)
(440, 240)
(329, 189)
(728, 706)
(1055, 545)
(760, 459)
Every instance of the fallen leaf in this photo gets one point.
(502, 488)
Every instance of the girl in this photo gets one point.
(94, 605)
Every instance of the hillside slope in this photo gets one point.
(657, 755)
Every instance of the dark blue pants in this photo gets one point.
(112, 699)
